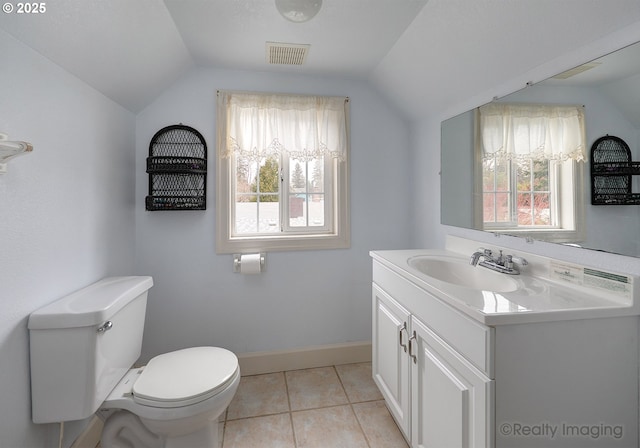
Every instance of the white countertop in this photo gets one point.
(537, 299)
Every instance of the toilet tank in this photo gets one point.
(83, 344)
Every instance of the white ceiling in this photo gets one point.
(616, 76)
(347, 37)
(422, 54)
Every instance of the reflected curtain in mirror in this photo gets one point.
(533, 131)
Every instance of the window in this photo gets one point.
(281, 172)
(532, 161)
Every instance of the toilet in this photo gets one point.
(83, 348)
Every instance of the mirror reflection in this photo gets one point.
(496, 178)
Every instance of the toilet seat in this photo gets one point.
(185, 377)
(177, 397)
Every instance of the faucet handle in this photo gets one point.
(519, 260)
(511, 259)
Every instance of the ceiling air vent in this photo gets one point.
(287, 54)
(577, 70)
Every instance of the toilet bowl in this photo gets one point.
(175, 400)
(82, 348)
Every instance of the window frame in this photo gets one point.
(337, 236)
(327, 192)
(571, 228)
(513, 193)
(568, 203)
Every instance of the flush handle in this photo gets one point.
(108, 325)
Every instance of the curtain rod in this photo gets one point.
(218, 91)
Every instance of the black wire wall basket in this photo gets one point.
(611, 172)
(177, 168)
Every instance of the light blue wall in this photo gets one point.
(66, 212)
(304, 298)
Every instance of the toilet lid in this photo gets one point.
(185, 376)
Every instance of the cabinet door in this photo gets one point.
(390, 360)
(452, 400)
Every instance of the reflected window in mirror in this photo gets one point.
(609, 88)
(527, 154)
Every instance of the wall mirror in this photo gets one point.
(609, 90)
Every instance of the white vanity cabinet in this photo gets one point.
(437, 396)
(451, 381)
(451, 404)
(390, 357)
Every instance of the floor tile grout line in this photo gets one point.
(293, 428)
(353, 411)
(344, 389)
(366, 439)
(301, 410)
(364, 433)
(224, 425)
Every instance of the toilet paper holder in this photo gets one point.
(237, 262)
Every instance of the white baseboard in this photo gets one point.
(268, 362)
(304, 358)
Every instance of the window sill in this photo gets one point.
(281, 243)
(548, 235)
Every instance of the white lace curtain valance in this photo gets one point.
(532, 132)
(257, 126)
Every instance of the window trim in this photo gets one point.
(339, 238)
(573, 230)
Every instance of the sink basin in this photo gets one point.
(458, 271)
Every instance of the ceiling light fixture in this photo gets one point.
(298, 11)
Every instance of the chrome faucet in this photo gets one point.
(507, 264)
(481, 252)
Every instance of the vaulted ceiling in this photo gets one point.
(422, 54)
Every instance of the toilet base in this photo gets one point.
(124, 430)
(204, 438)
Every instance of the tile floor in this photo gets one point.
(326, 407)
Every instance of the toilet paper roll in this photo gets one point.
(250, 264)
